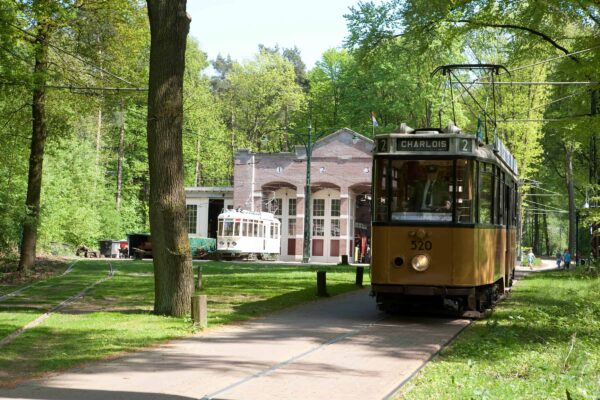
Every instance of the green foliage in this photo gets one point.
(262, 95)
(541, 342)
(205, 134)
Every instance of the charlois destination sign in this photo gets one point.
(416, 144)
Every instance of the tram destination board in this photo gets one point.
(422, 145)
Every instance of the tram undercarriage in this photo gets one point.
(468, 302)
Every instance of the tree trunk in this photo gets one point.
(546, 235)
(198, 170)
(571, 195)
(121, 155)
(173, 277)
(98, 135)
(36, 157)
(537, 248)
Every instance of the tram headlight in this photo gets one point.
(234, 243)
(420, 262)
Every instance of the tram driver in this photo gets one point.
(436, 196)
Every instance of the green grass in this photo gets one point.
(543, 342)
(115, 316)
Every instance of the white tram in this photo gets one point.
(248, 234)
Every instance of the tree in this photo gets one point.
(262, 93)
(41, 13)
(173, 278)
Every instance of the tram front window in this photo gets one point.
(421, 190)
(227, 227)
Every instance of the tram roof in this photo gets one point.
(256, 215)
(431, 142)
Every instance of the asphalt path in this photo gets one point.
(337, 348)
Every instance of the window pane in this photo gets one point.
(319, 207)
(292, 227)
(335, 207)
(228, 227)
(422, 190)
(380, 200)
(465, 184)
(236, 229)
(191, 213)
(291, 206)
(276, 206)
(318, 228)
(220, 229)
(335, 227)
(486, 180)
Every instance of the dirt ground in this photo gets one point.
(45, 267)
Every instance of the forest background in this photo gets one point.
(95, 181)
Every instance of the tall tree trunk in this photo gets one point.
(198, 170)
(36, 157)
(173, 278)
(536, 228)
(98, 135)
(571, 195)
(121, 155)
(546, 236)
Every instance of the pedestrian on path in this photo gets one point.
(559, 259)
(530, 259)
(567, 259)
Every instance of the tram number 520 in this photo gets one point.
(421, 245)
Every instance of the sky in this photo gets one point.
(236, 27)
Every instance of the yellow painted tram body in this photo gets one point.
(444, 219)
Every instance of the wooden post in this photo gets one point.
(199, 312)
(322, 284)
(344, 259)
(359, 276)
(199, 281)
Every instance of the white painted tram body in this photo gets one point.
(243, 234)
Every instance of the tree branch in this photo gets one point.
(542, 35)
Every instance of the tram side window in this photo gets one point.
(499, 197)
(465, 188)
(486, 179)
(516, 203)
(380, 194)
(220, 228)
(236, 228)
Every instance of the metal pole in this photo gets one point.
(307, 205)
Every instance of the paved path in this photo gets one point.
(339, 348)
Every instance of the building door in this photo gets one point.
(215, 206)
(325, 226)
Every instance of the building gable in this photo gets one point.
(341, 144)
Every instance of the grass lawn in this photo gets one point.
(115, 316)
(543, 342)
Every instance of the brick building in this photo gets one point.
(341, 187)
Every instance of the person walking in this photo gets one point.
(559, 259)
(567, 259)
(530, 259)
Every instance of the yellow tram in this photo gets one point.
(445, 217)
